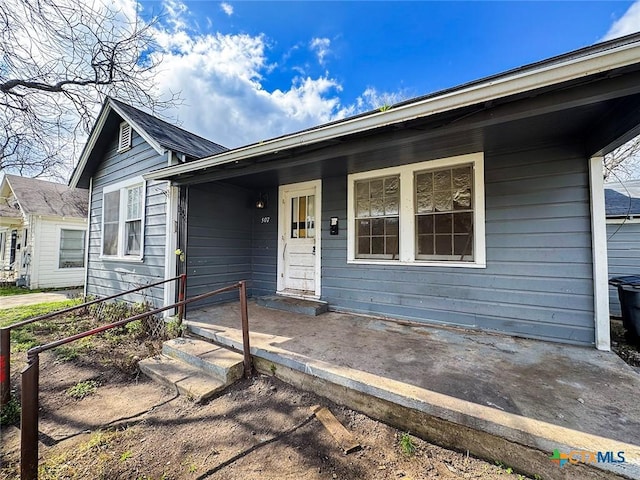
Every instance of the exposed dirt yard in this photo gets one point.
(128, 427)
(621, 343)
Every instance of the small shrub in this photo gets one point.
(174, 328)
(135, 328)
(10, 413)
(406, 445)
(83, 389)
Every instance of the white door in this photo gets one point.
(299, 246)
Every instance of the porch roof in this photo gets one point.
(570, 82)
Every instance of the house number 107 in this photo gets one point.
(266, 219)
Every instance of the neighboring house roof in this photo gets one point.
(169, 136)
(161, 135)
(9, 211)
(39, 197)
(622, 199)
(573, 66)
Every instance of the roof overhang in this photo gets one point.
(597, 59)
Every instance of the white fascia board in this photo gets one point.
(518, 82)
(95, 134)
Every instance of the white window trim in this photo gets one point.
(124, 147)
(407, 215)
(618, 221)
(122, 186)
(59, 245)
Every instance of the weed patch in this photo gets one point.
(407, 446)
(10, 413)
(83, 389)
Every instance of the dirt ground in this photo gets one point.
(260, 428)
(621, 343)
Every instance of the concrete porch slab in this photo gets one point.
(293, 305)
(504, 398)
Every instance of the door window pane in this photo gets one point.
(303, 217)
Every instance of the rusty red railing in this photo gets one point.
(31, 373)
(5, 332)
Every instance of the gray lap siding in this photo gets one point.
(623, 249)
(538, 279)
(108, 277)
(218, 239)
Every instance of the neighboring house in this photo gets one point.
(42, 232)
(131, 240)
(623, 233)
(480, 206)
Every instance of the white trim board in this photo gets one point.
(407, 215)
(599, 255)
(283, 231)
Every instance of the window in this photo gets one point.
(444, 214)
(123, 220)
(124, 138)
(377, 217)
(71, 249)
(303, 217)
(428, 213)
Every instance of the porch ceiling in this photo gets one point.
(599, 125)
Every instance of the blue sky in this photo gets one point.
(253, 70)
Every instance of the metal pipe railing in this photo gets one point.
(5, 332)
(31, 373)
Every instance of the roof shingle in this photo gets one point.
(40, 197)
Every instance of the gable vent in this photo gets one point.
(124, 139)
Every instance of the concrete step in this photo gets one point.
(219, 362)
(294, 305)
(190, 381)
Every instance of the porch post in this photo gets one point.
(171, 234)
(599, 254)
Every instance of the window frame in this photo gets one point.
(84, 246)
(407, 227)
(123, 188)
(123, 146)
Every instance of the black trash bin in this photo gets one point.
(629, 296)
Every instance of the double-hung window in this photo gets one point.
(123, 220)
(427, 213)
(71, 248)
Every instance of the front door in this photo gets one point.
(299, 233)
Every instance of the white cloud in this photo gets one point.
(227, 8)
(221, 79)
(628, 23)
(372, 99)
(321, 48)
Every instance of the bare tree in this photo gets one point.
(60, 58)
(624, 162)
